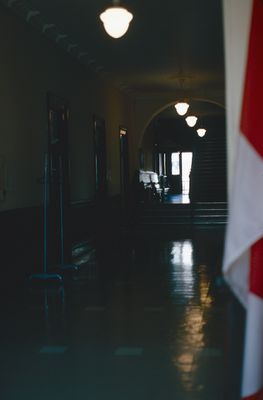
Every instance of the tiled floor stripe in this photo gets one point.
(53, 350)
(128, 351)
(95, 308)
(153, 309)
(210, 352)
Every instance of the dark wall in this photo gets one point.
(21, 237)
(174, 135)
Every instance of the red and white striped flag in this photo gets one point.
(243, 258)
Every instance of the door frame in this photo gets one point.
(100, 157)
(59, 196)
(124, 166)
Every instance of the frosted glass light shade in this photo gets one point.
(191, 120)
(201, 132)
(116, 21)
(181, 108)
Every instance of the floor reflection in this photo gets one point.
(144, 322)
(177, 199)
(182, 277)
(190, 340)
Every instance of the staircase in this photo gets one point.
(210, 213)
(207, 187)
(164, 214)
(208, 178)
(168, 215)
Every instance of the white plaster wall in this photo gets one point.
(237, 15)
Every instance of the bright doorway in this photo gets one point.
(186, 169)
(181, 164)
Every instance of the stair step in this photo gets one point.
(199, 213)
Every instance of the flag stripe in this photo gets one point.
(256, 396)
(256, 269)
(251, 126)
(252, 380)
(245, 222)
(252, 110)
(243, 262)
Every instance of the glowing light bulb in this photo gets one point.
(201, 132)
(191, 120)
(116, 21)
(181, 108)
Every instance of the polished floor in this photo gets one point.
(177, 199)
(147, 319)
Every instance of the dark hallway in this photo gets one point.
(136, 307)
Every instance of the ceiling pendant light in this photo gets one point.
(181, 108)
(201, 132)
(116, 20)
(191, 120)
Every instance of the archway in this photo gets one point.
(167, 137)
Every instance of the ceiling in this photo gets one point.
(172, 46)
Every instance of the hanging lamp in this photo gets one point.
(201, 132)
(191, 120)
(116, 20)
(181, 108)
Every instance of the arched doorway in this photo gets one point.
(191, 169)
